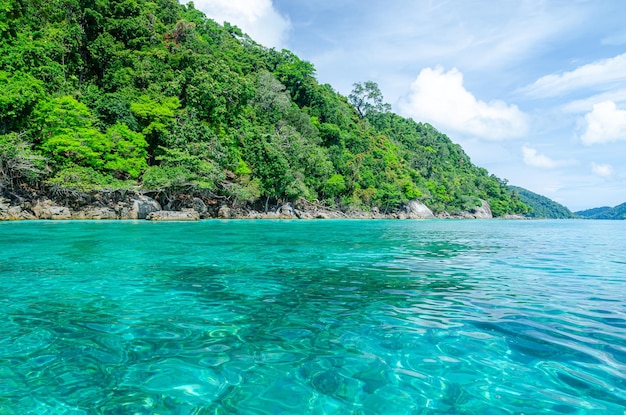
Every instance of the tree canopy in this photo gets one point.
(542, 207)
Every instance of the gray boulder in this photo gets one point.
(45, 209)
(286, 211)
(8, 212)
(199, 206)
(121, 210)
(417, 210)
(482, 212)
(95, 213)
(4, 209)
(141, 206)
(304, 214)
(327, 214)
(224, 212)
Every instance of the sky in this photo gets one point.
(533, 90)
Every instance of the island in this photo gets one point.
(121, 110)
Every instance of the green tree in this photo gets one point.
(335, 185)
(8, 14)
(84, 179)
(271, 99)
(183, 170)
(156, 115)
(20, 93)
(19, 163)
(368, 99)
(297, 76)
(125, 152)
(66, 133)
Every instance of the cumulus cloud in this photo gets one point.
(600, 73)
(602, 170)
(604, 124)
(439, 97)
(257, 18)
(533, 158)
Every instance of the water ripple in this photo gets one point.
(364, 317)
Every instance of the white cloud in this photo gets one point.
(533, 158)
(604, 124)
(603, 72)
(257, 18)
(440, 98)
(602, 170)
(585, 105)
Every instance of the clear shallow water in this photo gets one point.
(320, 317)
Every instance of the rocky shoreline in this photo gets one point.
(136, 206)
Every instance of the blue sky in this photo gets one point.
(534, 90)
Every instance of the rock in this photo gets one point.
(171, 216)
(27, 215)
(121, 210)
(142, 206)
(95, 213)
(286, 211)
(4, 208)
(417, 210)
(199, 206)
(303, 214)
(224, 212)
(483, 212)
(14, 212)
(45, 209)
(514, 217)
(8, 212)
(253, 214)
(327, 214)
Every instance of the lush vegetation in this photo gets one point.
(542, 207)
(612, 213)
(152, 95)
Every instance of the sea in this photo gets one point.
(313, 317)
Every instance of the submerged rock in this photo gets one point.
(185, 215)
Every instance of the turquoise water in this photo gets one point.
(319, 317)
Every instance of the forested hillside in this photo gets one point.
(542, 207)
(152, 96)
(610, 213)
